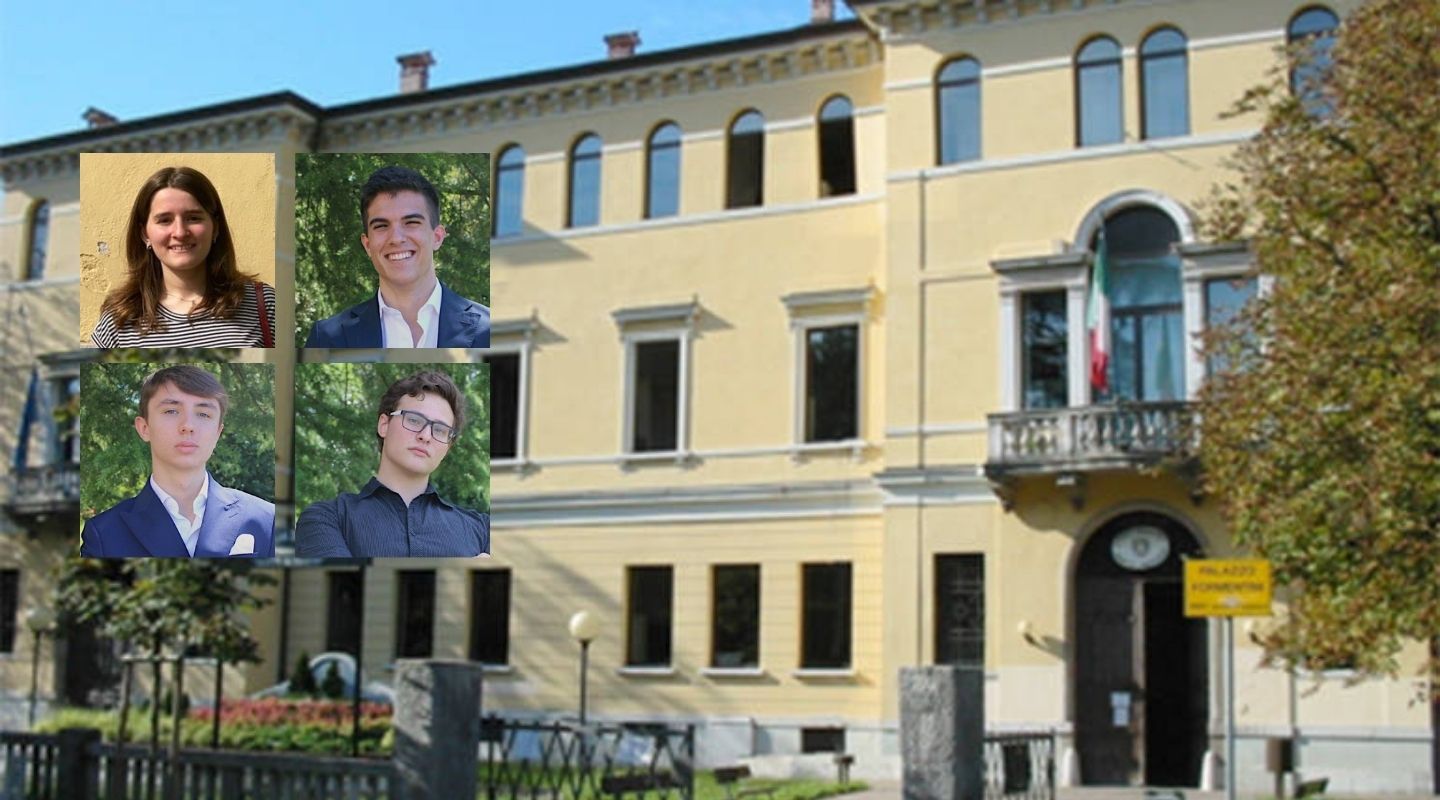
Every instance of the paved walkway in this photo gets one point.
(890, 790)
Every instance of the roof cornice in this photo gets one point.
(253, 124)
(901, 18)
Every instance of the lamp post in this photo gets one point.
(39, 620)
(584, 627)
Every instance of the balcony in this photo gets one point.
(41, 491)
(1069, 442)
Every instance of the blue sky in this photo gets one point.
(137, 59)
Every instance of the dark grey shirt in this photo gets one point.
(376, 522)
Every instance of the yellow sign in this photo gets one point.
(1227, 587)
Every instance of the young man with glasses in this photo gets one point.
(398, 513)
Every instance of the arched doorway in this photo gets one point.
(1141, 704)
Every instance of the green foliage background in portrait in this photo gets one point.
(115, 462)
(332, 271)
(336, 409)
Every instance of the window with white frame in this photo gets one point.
(509, 359)
(656, 381)
(829, 359)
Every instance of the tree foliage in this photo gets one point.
(332, 271)
(336, 409)
(1323, 444)
(115, 462)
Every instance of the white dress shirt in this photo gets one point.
(190, 532)
(395, 331)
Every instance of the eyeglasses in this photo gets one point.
(416, 422)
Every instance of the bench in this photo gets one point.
(733, 781)
(639, 782)
(1313, 788)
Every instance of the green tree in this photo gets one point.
(336, 450)
(1323, 442)
(115, 462)
(332, 271)
(164, 606)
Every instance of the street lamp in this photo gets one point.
(39, 620)
(584, 627)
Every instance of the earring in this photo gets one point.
(147, 245)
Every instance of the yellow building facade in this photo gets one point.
(791, 386)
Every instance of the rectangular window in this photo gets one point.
(66, 392)
(1224, 298)
(825, 616)
(504, 405)
(656, 396)
(9, 608)
(832, 380)
(735, 616)
(1045, 342)
(960, 609)
(822, 740)
(490, 616)
(647, 634)
(342, 612)
(415, 614)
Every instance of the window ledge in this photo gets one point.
(658, 456)
(645, 672)
(511, 465)
(855, 447)
(733, 672)
(823, 673)
(497, 669)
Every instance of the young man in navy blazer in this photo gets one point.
(182, 512)
(400, 211)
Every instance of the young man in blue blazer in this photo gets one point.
(182, 512)
(400, 211)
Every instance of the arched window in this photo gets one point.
(957, 100)
(1164, 85)
(1313, 29)
(745, 166)
(837, 147)
(1099, 109)
(509, 191)
(662, 180)
(39, 239)
(1147, 330)
(585, 182)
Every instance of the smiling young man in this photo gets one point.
(182, 512)
(400, 212)
(398, 513)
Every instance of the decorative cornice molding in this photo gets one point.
(851, 49)
(260, 129)
(896, 19)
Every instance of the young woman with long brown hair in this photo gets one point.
(184, 288)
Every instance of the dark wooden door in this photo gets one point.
(1141, 703)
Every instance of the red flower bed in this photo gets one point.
(275, 711)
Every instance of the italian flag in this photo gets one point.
(1097, 320)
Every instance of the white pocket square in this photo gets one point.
(244, 545)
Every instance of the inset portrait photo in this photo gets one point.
(392, 460)
(392, 250)
(177, 250)
(177, 460)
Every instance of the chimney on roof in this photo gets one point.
(822, 11)
(95, 118)
(415, 71)
(622, 45)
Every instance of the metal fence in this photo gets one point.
(565, 761)
(75, 765)
(1020, 766)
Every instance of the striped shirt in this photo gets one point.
(194, 330)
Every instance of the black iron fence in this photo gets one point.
(75, 765)
(565, 761)
(1020, 766)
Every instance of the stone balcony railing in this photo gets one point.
(50, 489)
(1088, 438)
